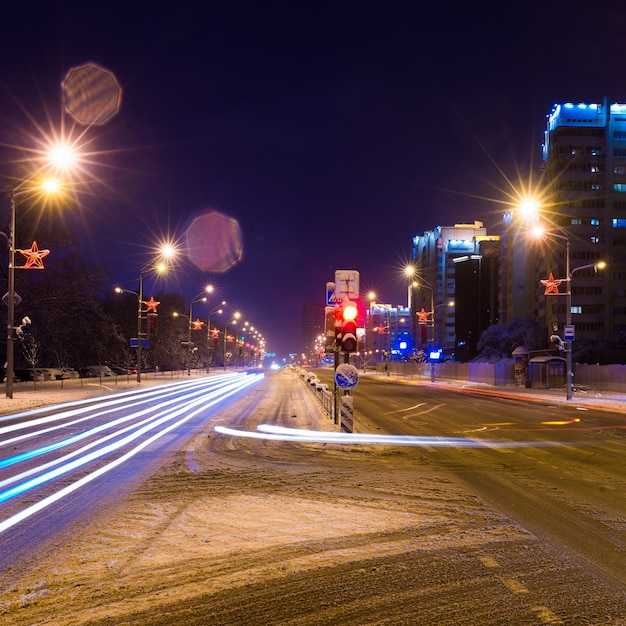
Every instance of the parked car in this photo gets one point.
(51, 373)
(95, 371)
(28, 375)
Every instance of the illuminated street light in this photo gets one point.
(47, 186)
(197, 325)
(150, 306)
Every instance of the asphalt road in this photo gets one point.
(555, 469)
(489, 512)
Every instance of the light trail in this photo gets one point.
(151, 421)
(163, 420)
(117, 400)
(279, 433)
(90, 432)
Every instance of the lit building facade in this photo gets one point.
(388, 333)
(584, 168)
(433, 296)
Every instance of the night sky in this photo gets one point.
(332, 133)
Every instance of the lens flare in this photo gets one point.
(214, 241)
(92, 94)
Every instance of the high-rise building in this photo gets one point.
(437, 256)
(584, 178)
(312, 329)
(582, 206)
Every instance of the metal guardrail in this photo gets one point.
(323, 396)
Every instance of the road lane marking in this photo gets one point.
(514, 585)
(488, 561)
(416, 406)
(546, 615)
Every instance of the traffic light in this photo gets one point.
(348, 331)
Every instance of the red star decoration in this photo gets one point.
(152, 304)
(422, 316)
(552, 285)
(215, 332)
(198, 324)
(34, 256)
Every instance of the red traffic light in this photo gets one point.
(349, 342)
(349, 310)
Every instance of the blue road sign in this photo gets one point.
(145, 343)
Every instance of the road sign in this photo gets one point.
(145, 343)
(331, 297)
(347, 283)
(346, 376)
(568, 332)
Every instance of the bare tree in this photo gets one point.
(31, 349)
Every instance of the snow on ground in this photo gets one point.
(234, 531)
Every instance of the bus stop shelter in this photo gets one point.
(547, 372)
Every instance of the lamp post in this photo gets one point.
(59, 157)
(446, 304)
(422, 284)
(11, 304)
(236, 316)
(49, 186)
(552, 288)
(160, 267)
(218, 310)
(140, 312)
(568, 312)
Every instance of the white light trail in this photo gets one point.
(118, 399)
(222, 382)
(278, 433)
(152, 421)
(187, 411)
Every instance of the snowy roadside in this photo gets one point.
(33, 395)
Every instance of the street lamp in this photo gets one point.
(161, 266)
(423, 315)
(47, 186)
(219, 311)
(236, 316)
(432, 365)
(140, 312)
(193, 326)
(552, 286)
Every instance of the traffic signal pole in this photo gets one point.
(335, 394)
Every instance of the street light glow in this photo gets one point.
(529, 207)
(62, 156)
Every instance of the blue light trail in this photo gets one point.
(189, 400)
